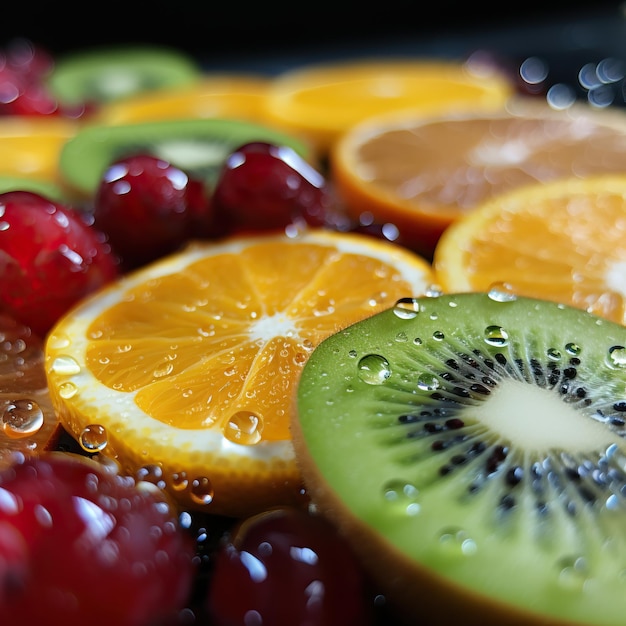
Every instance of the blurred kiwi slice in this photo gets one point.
(109, 73)
(197, 146)
(472, 449)
(45, 188)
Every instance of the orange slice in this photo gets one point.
(30, 146)
(423, 173)
(190, 364)
(561, 241)
(28, 424)
(323, 101)
(238, 96)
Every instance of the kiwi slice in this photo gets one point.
(44, 188)
(110, 73)
(472, 448)
(198, 146)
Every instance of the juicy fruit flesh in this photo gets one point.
(537, 527)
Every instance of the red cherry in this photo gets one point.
(268, 187)
(50, 257)
(80, 544)
(149, 208)
(286, 567)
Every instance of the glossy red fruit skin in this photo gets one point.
(286, 567)
(268, 187)
(50, 258)
(86, 546)
(149, 208)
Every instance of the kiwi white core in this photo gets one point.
(538, 419)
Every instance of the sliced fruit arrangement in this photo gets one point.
(322, 101)
(200, 147)
(189, 363)
(106, 74)
(472, 452)
(229, 95)
(560, 241)
(422, 173)
(28, 423)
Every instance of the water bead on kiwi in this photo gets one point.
(472, 449)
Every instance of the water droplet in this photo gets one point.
(151, 474)
(93, 438)
(406, 308)
(496, 336)
(427, 382)
(457, 542)
(21, 418)
(67, 390)
(202, 491)
(244, 427)
(65, 366)
(179, 481)
(572, 348)
(553, 354)
(163, 370)
(58, 342)
(502, 292)
(617, 356)
(402, 494)
(573, 572)
(401, 337)
(438, 335)
(352, 354)
(374, 369)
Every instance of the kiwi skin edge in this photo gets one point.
(415, 593)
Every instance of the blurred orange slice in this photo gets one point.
(424, 173)
(239, 96)
(323, 101)
(561, 241)
(30, 146)
(189, 365)
(28, 424)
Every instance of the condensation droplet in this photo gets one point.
(438, 335)
(22, 418)
(427, 382)
(65, 366)
(496, 336)
(457, 542)
(617, 356)
(67, 390)
(553, 354)
(572, 348)
(202, 491)
(374, 369)
(406, 308)
(93, 438)
(573, 572)
(502, 292)
(403, 495)
(244, 427)
(179, 481)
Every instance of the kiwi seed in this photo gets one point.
(472, 448)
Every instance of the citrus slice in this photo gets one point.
(189, 365)
(220, 95)
(561, 241)
(423, 173)
(322, 101)
(28, 423)
(30, 146)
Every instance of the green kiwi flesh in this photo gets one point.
(199, 147)
(472, 448)
(110, 73)
(42, 187)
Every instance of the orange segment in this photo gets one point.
(323, 101)
(423, 173)
(30, 146)
(28, 423)
(219, 95)
(191, 363)
(560, 241)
